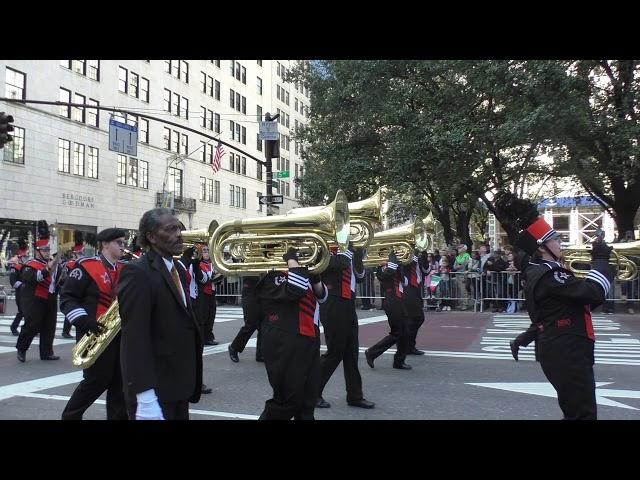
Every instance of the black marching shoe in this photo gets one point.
(514, 349)
(369, 358)
(322, 403)
(402, 366)
(415, 351)
(233, 354)
(362, 403)
(211, 342)
(21, 356)
(206, 389)
(14, 331)
(66, 335)
(50, 357)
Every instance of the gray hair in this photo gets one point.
(149, 223)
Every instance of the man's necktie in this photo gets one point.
(176, 279)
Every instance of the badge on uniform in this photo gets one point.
(76, 273)
(280, 280)
(560, 277)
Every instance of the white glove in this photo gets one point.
(148, 406)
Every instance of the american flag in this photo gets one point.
(217, 158)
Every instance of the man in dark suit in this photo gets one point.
(161, 345)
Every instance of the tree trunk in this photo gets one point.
(463, 217)
(442, 214)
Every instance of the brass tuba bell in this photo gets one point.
(191, 238)
(576, 257)
(403, 240)
(259, 243)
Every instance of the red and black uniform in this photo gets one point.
(66, 269)
(290, 343)
(413, 300)
(40, 306)
(392, 279)
(340, 321)
(88, 292)
(559, 305)
(207, 299)
(252, 318)
(15, 279)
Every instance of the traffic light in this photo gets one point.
(5, 128)
(272, 148)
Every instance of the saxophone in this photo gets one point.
(91, 346)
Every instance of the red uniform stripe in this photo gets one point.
(588, 323)
(346, 283)
(305, 318)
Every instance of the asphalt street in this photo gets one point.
(467, 373)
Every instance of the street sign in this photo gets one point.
(123, 138)
(265, 200)
(269, 131)
(282, 174)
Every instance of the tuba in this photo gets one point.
(191, 238)
(364, 216)
(91, 346)
(576, 257)
(259, 243)
(403, 240)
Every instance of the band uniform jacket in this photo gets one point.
(161, 344)
(342, 274)
(37, 283)
(392, 280)
(413, 290)
(287, 302)
(89, 289)
(15, 275)
(559, 303)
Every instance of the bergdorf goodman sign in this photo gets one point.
(78, 200)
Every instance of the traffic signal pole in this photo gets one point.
(269, 151)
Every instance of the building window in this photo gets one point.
(244, 105)
(237, 168)
(143, 168)
(232, 196)
(132, 172)
(167, 66)
(231, 160)
(216, 118)
(259, 62)
(92, 113)
(238, 104)
(244, 135)
(232, 98)
(244, 75)
(175, 182)
(237, 132)
(78, 112)
(244, 165)
(238, 71)
(175, 104)
(238, 197)
(94, 69)
(217, 90)
(258, 142)
(209, 156)
(122, 170)
(123, 74)
(203, 83)
(175, 141)
(78, 159)
(244, 198)
(79, 66)
(203, 188)
(144, 89)
(184, 71)
(175, 68)
(65, 97)
(92, 162)
(209, 190)
(65, 64)
(232, 128)
(217, 64)
(14, 151)
(166, 136)
(259, 113)
(15, 84)
(259, 204)
(216, 191)
(64, 155)
(185, 108)
(167, 100)
(143, 130)
(133, 85)
(184, 144)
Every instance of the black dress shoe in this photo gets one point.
(322, 403)
(50, 357)
(66, 335)
(206, 389)
(415, 351)
(233, 355)
(211, 342)
(369, 358)
(362, 403)
(514, 349)
(15, 332)
(21, 356)
(402, 366)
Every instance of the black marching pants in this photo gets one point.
(104, 374)
(252, 319)
(19, 315)
(399, 334)
(39, 317)
(567, 361)
(292, 363)
(207, 307)
(340, 322)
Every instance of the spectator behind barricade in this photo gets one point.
(474, 274)
(432, 264)
(460, 266)
(436, 256)
(494, 264)
(444, 287)
(513, 283)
